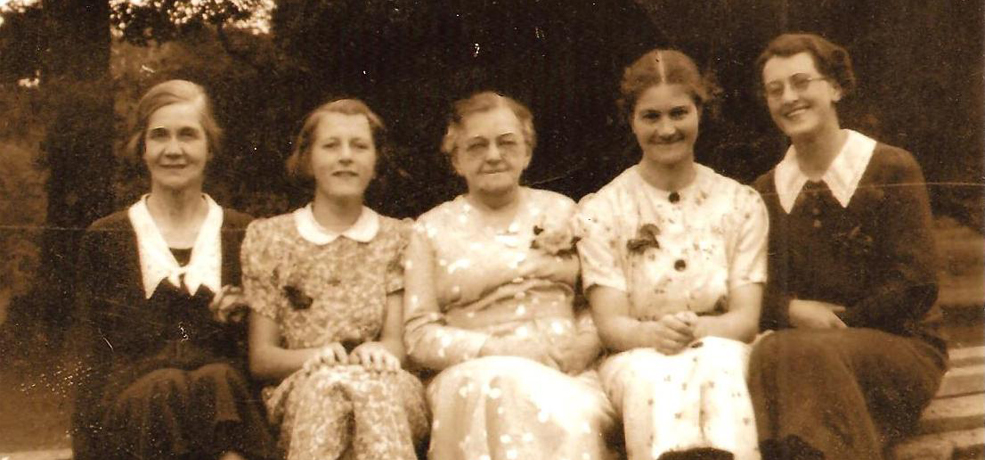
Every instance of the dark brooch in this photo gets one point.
(646, 237)
(297, 298)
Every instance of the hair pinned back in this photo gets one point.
(165, 94)
(831, 60)
(484, 102)
(666, 66)
(298, 164)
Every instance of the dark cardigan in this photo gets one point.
(876, 257)
(127, 335)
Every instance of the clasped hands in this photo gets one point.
(229, 305)
(372, 356)
(672, 332)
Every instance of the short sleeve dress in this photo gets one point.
(669, 252)
(503, 407)
(323, 288)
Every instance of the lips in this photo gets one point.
(794, 111)
(345, 174)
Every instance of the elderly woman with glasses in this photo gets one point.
(490, 297)
(851, 273)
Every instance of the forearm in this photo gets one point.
(269, 362)
(732, 325)
(622, 333)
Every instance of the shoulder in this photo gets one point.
(765, 183)
(615, 192)
(235, 220)
(552, 202)
(115, 220)
(270, 225)
(893, 161)
(439, 212)
(395, 228)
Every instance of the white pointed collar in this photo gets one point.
(157, 263)
(362, 231)
(842, 177)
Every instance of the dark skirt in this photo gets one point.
(844, 393)
(171, 413)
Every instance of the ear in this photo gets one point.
(453, 156)
(836, 92)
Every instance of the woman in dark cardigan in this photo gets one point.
(851, 273)
(158, 294)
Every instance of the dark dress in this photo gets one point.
(161, 379)
(849, 393)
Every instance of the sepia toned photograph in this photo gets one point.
(492, 230)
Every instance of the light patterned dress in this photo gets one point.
(672, 252)
(501, 407)
(322, 288)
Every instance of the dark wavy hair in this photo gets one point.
(666, 66)
(831, 60)
(298, 164)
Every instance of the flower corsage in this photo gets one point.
(295, 294)
(646, 237)
(556, 241)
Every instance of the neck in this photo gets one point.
(816, 151)
(495, 201)
(336, 214)
(176, 207)
(667, 177)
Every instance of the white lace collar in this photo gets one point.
(157, 263)
(363, 231)
(842, 177)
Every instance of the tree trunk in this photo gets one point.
(77, 149)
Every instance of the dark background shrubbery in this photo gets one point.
(919, 65)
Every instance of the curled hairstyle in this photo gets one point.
(831, 60)
(664, 66)
(298, 164)
(484, 102)
(165, 94)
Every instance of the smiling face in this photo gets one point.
(343, 155)
(665, 122)
(803, 111)
(491, 152)
(176, 147)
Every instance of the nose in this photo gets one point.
(345, 154)
(789, 94)
(172, 147)
(666, 128)
(493, 154)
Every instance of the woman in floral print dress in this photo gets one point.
(325, 283)
(673, 263)
(489, 305)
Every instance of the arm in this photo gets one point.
(429, 340)
(268, 360)
(621, 332)
(742, 320)
(387, 353)
(908, 285)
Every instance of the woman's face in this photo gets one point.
(665, 122)
(343, 155)
(176, 147)
(800, 99)
(491, 151)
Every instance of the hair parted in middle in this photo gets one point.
(298, 164)
(671, 67)
(483, 102)
(168, 93)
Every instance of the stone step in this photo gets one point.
(964, 444)
(961, 381)
(970, 356)
(954, 414)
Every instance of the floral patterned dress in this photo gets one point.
(503, 407)
(672, 252)
(323, 288)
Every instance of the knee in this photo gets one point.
(219, 373)
(160, 387)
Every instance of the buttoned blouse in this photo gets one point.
(673, 251)
(321, 287)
